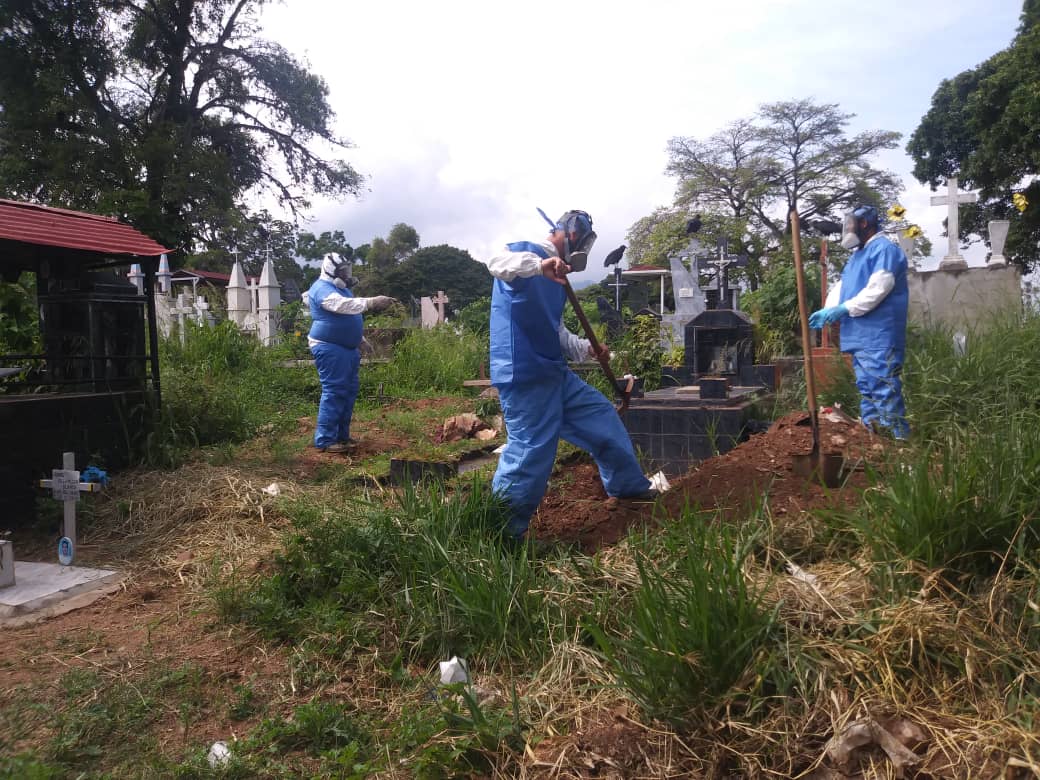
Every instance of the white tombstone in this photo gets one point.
(164, 276)
(269, 298)
(136, 277)
(954, 260)
(428, 312)
(183, 311)
(998, 233)
(906, 243)
(202, 313)
(238, 296)
(65, 486)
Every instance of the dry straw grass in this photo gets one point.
(179, 524)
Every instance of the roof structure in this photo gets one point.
(646, 270)
(29, 223)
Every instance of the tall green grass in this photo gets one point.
(694, 626)
(429, 361)
(434, 565)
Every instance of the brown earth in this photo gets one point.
(577, 509)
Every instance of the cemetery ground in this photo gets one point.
(746, 624)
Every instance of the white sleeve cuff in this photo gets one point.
(341, 304)
(879, 285)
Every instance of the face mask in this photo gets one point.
(850, 233)
(578, 257)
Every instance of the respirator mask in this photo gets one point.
(339, 269)
(579, 225)
(852, 233)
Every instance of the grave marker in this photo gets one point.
(953, 261)
(65, 487)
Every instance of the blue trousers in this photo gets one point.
(338, 371)
(881, 388)
(537, 416)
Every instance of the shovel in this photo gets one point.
(624, 392)
(815, 466)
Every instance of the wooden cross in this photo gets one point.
(953, 260)
(439, 300)
(66, 487)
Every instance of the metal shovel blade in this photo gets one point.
(825, 468)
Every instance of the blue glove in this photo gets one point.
(818, 319)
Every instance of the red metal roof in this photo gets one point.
(46, 226)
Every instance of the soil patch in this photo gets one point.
(577, 509)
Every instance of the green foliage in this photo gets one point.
(19, 316)
(429, 269)
(430, 361)
(774, 309)
(981, 128)
(654, 238)
(639, 352)
(316, 727)
(475, 317)
(206, 112)
(693, 626)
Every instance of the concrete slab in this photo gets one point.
(46, 589)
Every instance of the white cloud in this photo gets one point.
(467, 115)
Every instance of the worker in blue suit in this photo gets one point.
(871, 302)
(334, 338)
(542, 399)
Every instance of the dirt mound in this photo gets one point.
(577, 509)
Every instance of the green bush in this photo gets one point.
(774, 309)
(429, 361)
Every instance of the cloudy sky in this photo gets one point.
(466, 115)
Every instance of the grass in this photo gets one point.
(696, 643)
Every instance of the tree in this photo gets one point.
(430, 269)
(797, 152)
(314, 248)
(168, 112)
(981, 127)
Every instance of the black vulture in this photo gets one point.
(615, 256)
(824, 226)
(693, 225)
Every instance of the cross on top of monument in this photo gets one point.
(952, 200)
(439, 300)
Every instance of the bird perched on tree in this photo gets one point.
(693, 225)
(824, 226)
(614, 257)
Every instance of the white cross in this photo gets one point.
(439, 300)
(182, 311)
(66, 487)
(953, 260)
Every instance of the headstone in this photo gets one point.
(998, 233)
(686, 290)
(65, 486)
(439, 300)
(182, 312)
(428, 312)
(953, 261)
(719, 264)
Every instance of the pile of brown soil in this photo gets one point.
(577, 509)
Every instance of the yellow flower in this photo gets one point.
(912, 232)
(1020, 201)
(896, 211)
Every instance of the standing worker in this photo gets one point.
(542, 399)
(334, 338)
(870, 301)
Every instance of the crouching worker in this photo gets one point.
(334, 338)
(542, 399)
(871, 303)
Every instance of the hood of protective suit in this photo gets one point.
(329, 265)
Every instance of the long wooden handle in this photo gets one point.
(591, 336)
(803, 316)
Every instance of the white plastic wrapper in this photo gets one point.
(219, 755)
(660, 482)
(454, 671)
(274, 489)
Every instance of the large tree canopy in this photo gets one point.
(166, 111)
(982, 128)
(794, 153)
(430, 269)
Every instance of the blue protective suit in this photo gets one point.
(877, 339)
(334, 343)
(544, 401)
